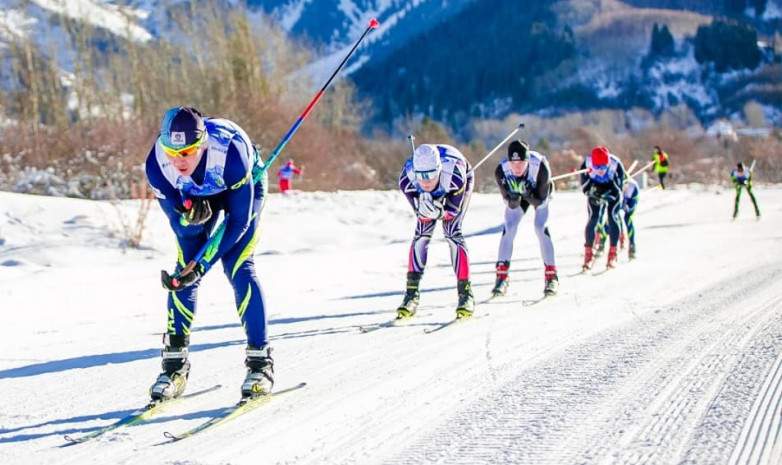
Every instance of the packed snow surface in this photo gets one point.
(673, 358)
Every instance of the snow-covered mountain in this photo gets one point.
(611, 38)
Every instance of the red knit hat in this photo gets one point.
(599, 156)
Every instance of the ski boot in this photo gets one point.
(260, 372)
(412, 296)
(552, 282)
(466, 305)
(501, 285)
(631, 252)
(176, 368)
(589, 259)
(611, 262)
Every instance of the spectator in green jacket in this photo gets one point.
(661, 161)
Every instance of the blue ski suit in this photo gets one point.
(231, 177)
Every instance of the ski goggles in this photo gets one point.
(184, 151)
(427, 175)
(599, 167)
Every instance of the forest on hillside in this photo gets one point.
(452, 76)
(86, 134)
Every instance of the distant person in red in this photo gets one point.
(286, 173)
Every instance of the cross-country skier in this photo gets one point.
(630, 193)
(437, 181)
(198, 167)
(285, 175)
(743, 179)
(523, 178)
(602, 184)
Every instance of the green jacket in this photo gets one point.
(661, 161)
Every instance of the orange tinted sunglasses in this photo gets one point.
(184, 151)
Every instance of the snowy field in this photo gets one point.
(674, 358)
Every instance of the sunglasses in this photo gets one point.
(426, 175)
(600, 167)
(184, 151)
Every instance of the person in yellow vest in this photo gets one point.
(661, 161)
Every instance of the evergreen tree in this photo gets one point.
(663, 44)
(729, 45)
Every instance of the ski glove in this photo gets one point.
(177, 282)
(514, 200)
(195, 211)
(429, 208)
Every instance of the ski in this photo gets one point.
(391, 323)
(152, 408)
(230, 413)
(531, 302)
(603, 271)
(494, 298)
(455, 321)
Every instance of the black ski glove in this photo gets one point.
(177, 282)
(195, 211)
(514, 200)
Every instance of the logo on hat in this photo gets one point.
(517, 150)
(178, 138)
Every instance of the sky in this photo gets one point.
(675, 357)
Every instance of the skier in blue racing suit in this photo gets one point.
(198, 167)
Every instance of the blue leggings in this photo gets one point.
(239, 267)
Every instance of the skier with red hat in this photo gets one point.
(602, 184)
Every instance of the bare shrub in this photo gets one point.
(133, 229)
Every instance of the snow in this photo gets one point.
(673, 358)
(115, 19)
(291, 13)
(13, 23)
(773, 10)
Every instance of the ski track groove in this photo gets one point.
(763, 432)
(665, 374)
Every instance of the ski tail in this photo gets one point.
(138, 416)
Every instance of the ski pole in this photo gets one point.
(520, 126)
(411, 138)
(632, 166)
(373, 23)
(217, 233)
(567, 175)
(640, 170)
(216, 236)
